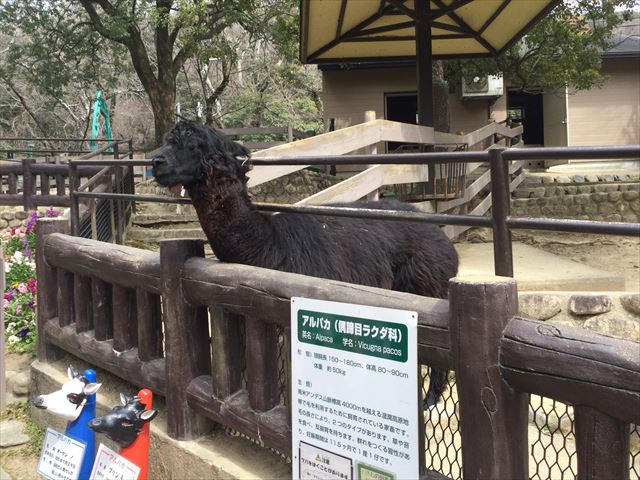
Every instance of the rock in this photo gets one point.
(589, 304)
(539, 306)
(7, 216)
(577, 179)
(615, 326)
(584, 188)
(21, 215)
(630, 195)
(571, 190)
(563, 179)
(547, 179)
(538, 192)
(615, 196)
(20, 383)
(591, 178)
(532, 179)
(524, 193)
(631, 303)
(12, 434)
(607, 178)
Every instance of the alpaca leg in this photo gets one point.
(437, 386)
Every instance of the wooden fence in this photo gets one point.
(277, 136)
(102, 303)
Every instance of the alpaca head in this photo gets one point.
(193, 153)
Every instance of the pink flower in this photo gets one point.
(19, 309)
(5, 303)
(22, 288)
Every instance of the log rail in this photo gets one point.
(212, 347)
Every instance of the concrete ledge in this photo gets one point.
(216, 456)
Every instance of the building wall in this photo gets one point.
(347, 94)
(609, 115)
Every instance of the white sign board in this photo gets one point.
(109, 465)
(61, 456)
(354, 382)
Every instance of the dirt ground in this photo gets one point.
(612, 253)
(615, 254)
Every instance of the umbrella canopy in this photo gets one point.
(366, 30)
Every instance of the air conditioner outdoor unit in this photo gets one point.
(484, 86)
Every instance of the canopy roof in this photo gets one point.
(365, 30)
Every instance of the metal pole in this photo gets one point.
(424, 78)
(500, 206)
(74, 212)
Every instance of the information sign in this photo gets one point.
(61, 456)
(109, 466)
(354, 379)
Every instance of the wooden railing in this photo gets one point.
(33, 184)
(279, 135)
(102, 303)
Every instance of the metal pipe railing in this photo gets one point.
(500, 221)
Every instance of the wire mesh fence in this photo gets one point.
(551, 432)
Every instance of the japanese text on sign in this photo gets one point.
(61, 456)
(354, 392)
(111, 466)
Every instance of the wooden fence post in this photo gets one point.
(262, 364)
(602, 445)
(102, 306)
(28, 184)
(47, 305)
(494, 417)
(226, 352)
(186, 338)
(149, 316)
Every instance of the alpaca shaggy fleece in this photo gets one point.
(408, 257)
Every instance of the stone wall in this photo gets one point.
(610, 198)
(615, 314)
(16, 216)
(293, 187)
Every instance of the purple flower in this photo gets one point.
(31, 304)
(51, 213)
(27, 251)
(22, 333)
(32, 221)
(9, 295)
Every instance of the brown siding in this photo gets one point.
(609, 115)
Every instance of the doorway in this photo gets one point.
(526, 108)
(400, 107)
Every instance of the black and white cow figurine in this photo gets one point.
(69, 401)
(124, 423)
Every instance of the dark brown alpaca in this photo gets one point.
(414, 258)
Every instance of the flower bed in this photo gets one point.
(19, 296)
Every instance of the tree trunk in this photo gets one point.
(163, 105)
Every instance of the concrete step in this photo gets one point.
(155, 235)
(155, 219)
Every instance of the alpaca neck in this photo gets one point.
(235, 230)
